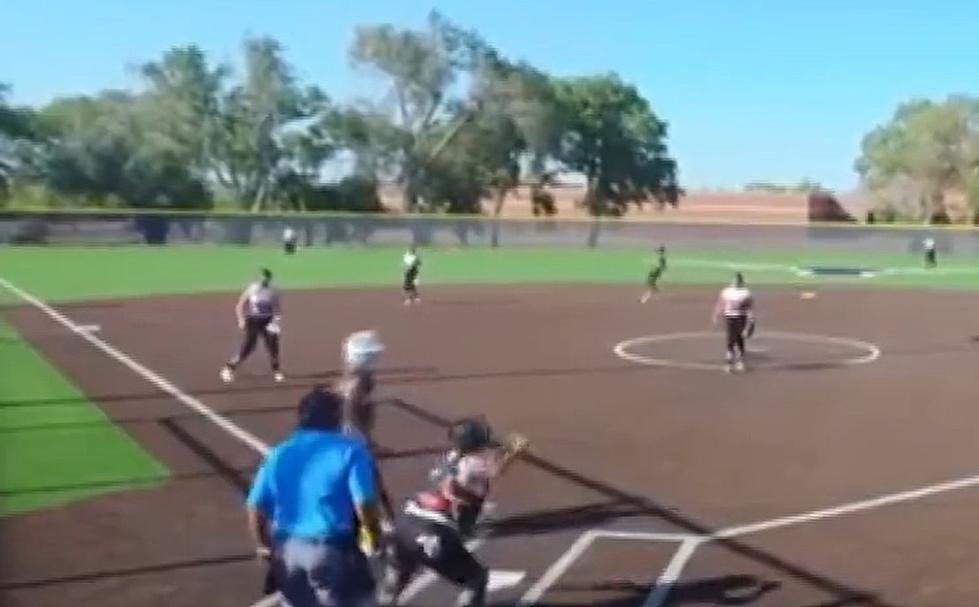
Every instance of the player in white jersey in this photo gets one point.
(289, 240)
(931, 254)
(736, 306)
(412, 266)
(259, 314)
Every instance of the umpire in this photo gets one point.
(302, 507)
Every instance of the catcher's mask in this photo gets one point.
(470, 434)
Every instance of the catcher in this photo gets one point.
(436, 522)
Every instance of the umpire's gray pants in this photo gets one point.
(315, 573)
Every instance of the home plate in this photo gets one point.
(90, 328)
(501, 579)
(807, 295)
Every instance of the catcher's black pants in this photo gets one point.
(420, 543)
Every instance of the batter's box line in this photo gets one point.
(687, 544)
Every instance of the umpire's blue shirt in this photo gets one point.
(308, 485)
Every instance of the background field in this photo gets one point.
(62, 448)
(56, 439)
(74, 273)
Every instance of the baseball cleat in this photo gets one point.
(739, 366)
(278, 377)
(227, 375)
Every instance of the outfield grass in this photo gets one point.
(62, 274)
(55, 445)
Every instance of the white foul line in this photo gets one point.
(670, 576)
(859, 506)
(559, 568)
(152, 377)
(165, 385)
(666, 580)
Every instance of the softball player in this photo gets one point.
(736, 306)
(259, 314)
(290, 239)
(436, 523)
(360, 351)
(931, 252)
(654, 275)
(412, 265)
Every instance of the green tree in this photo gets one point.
(106, 150)
(517, 119)
(613, 138)
(17, 126)
(247, 150)
(932, 144)
(248, 136)
(184, 92)
(421, 67)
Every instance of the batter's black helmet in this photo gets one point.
(470, 434)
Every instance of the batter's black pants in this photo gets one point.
(256, 327)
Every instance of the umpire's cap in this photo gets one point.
(321, 409)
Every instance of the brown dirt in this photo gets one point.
(615, 445)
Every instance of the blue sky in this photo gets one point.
(752, 89)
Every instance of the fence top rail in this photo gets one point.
(123, 213)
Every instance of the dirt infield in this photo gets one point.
(638, 473)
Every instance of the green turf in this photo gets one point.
(60, 274)
(55, 445)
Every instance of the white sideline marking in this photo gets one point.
(648, 537)
(859, 506)
(90, 328)
(152, 377)
(668, 579)
(559, 568)
(165, 385)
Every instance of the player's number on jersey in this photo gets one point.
(429, 544)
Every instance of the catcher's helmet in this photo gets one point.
(470, 434)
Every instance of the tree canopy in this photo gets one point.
(458, 127)
(925, 152)
(615, 140)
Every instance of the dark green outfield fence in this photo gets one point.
(105, 228)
